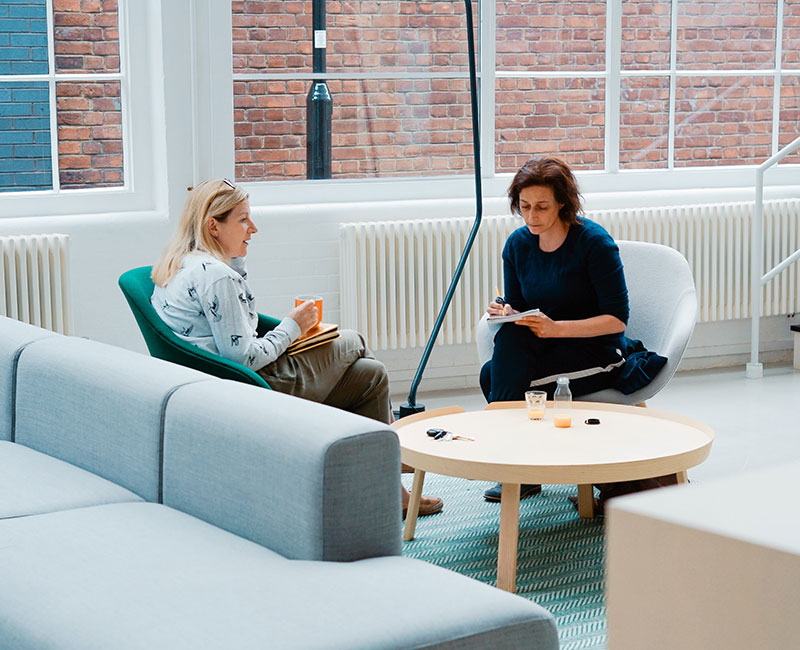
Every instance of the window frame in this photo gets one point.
(135, 23)
(671, 180)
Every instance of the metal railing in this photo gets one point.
(757, 281)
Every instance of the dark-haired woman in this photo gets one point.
(569, 268)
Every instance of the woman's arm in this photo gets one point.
(546, 328)
(234, 336)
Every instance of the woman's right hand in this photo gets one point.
(496, 309)
(305, 315)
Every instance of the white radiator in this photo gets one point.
(34, 280)
(394, 274)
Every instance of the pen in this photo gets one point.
(499, 300)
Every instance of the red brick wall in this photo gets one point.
(646, 34)
(421, 127)
(726, 34)
(551, 35)
(89, 134)
(790, 115)
(275, 35)
(790, 87)
(89, 117)
(379, 128)
(563, 117)
(644, 123)
(791, 33)
(723, 121)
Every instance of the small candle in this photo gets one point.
(535, 414)
(562, 421)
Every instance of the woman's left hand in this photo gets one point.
(542, 325)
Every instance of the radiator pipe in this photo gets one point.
(411, 406)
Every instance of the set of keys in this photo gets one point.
(447, 436)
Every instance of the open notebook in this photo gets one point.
(320, 334)
(510, 318)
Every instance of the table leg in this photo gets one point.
(413, 505)
(586, 501)
(509, 538)
(682, 477)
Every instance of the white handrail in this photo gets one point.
(754, 368)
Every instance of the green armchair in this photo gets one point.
(163, 343)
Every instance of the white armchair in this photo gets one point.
(663, 312)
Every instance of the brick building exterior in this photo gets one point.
(25, 160)
(422, 127)
(88, 114)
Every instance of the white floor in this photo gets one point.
(756, 422)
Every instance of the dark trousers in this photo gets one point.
(521, 357)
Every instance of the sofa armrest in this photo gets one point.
(306, 480)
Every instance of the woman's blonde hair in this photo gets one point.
(212, 199)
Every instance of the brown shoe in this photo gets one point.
(427, 506)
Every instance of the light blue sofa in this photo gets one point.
(146, 505)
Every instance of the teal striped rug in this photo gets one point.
(560, 564)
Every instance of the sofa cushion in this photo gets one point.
(97, 407)
(141, 575)
(309, 481)
(14, 336)
(33, 483)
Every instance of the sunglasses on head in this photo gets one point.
(229, 183)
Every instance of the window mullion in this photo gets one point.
(486, 83)
(673, 84)
(613, 64)
(124, 93)
(51, 85)
(777, 80)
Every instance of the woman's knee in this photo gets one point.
(373, 374)
(485, 379)
(352, 342)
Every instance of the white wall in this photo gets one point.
(189, 136)
(296, 251)
(102, 247)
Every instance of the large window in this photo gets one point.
(61, 83)
(397, 73)
(611, 86)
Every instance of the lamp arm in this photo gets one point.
(412, 406)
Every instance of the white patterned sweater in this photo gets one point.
(210, 305)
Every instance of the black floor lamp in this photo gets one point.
(411, 406)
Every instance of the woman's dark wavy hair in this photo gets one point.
(552, 173)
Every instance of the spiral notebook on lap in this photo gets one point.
(510, 318)
(322, 333)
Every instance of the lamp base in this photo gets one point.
(408, 409)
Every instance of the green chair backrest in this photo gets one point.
(163, 343)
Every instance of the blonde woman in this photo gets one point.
(202, 295)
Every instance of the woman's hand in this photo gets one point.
(497, 309)
(541, 325)
(305, 315)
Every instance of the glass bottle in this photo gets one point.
(562, 403)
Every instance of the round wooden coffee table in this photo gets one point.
(629, 443)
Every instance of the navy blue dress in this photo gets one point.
(583, 278)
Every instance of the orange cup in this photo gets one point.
(562, 421)
(299, 300)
